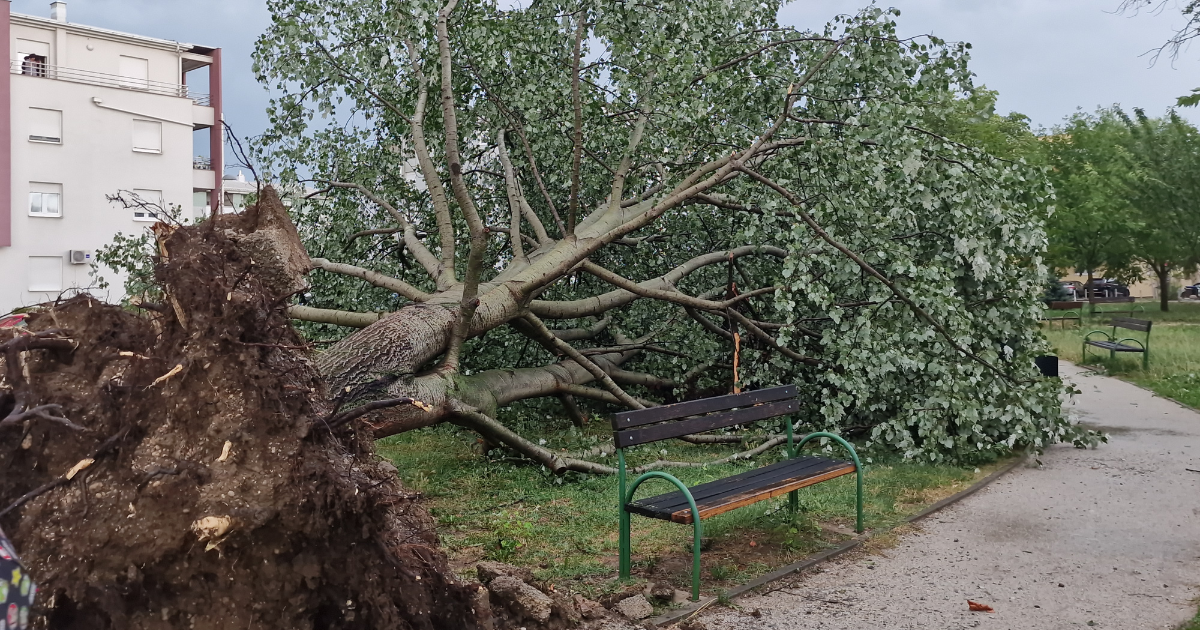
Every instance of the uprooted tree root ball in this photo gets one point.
(174, 470)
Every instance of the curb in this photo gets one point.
(690, 610)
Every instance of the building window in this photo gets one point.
(45, 125)
(46, 274)
(147, 136)
(45, 199)
(135, 73)
(148, 204)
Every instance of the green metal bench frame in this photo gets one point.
(626, 496)
(1140, 325)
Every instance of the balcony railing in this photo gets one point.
(75, 75)
(201, 163)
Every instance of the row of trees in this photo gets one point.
(1128, 195)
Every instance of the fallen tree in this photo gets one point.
(806, 210)
(636, 203)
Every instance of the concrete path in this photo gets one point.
(1105, 538)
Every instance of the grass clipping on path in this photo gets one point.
(565, 528)
(1174, 366)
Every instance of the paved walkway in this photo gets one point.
(1106, 538)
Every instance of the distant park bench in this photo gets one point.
(1070, 311)
(692, 505)
(1130, 310)
(1114, 345)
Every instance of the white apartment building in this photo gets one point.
(89, 112)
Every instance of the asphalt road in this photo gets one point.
(1104, 538)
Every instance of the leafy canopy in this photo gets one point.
(914, 257)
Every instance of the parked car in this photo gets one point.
(1104, 288)
(1073, 289)
(1191, 292)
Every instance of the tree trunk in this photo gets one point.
(1163, 272)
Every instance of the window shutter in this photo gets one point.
(45, 273)
(45, 125)
(147, 136)
(134, 72)
(32, 47)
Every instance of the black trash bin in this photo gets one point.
(1048, 364)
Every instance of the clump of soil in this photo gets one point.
(219, 497)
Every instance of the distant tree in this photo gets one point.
(1164, 196)
(1128, 196)
(1091, 169)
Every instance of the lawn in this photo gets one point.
(500, 507)
(1174, 366)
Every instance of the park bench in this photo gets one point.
(692, 505)
(1130, 310)
(1069, 311)
(1114, 345)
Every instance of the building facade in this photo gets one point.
(90, 114)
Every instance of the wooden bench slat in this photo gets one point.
(763, 476)
(1140, 325)
(701, 424)
(787, 476)
(641, 417)
(763, 494)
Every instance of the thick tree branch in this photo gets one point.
(675, 296)
(373, 277)
(587, 364)
(600, 304)
(330, 316)
(478, 232)
(514, 202)
(471, 418)
(578, 334)
(433, 181)
(576, 125)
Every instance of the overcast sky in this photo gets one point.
(1046, 57)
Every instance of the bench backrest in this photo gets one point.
(1111, 300)
(643, 426)
(1140, 325)
(1065, 306)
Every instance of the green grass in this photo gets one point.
(503, 508)
(1174, 366)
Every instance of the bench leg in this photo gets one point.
(697, 528)
(794, 502)
(625, 560)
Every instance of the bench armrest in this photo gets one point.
(1089, 335)
(857, 468)
(1139, 343)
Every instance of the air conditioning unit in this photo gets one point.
(81, 256)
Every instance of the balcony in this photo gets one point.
(75, 75)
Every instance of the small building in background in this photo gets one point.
(90, 113)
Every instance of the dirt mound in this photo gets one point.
(218, 496)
